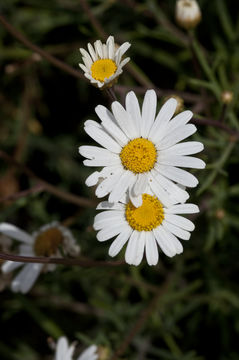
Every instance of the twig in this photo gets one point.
(217, 124)
(65, 195)
(160, 92)
(24, 193)
(94, 21)
(52, 59)
(63, 261)
(140, 322)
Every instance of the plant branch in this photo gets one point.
(83, 262)
(52, 59)
(65, 195)
(143, 317)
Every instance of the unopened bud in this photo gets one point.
(103, 353)
(220, 214)
(227, 97)
(180, 102)
(188, 14)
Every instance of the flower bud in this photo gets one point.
(188, 14)
(227, 97)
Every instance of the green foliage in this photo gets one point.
(42, 111)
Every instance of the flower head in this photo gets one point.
(64, 351)
(144, 227)
(188, 13)
(103, 63)
(47, 241)
(140, 148)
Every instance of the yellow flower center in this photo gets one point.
(47, 243)
(103, 68)
(146, 217)
(139, 155)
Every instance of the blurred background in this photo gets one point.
(42, 112)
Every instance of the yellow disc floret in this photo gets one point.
(146, 217)
(139, 155)
(47, 242)
(103, 68)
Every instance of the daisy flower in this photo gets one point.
(64, 351)
(47, 241)
(140, 148)
(144, 227)
(103, 63)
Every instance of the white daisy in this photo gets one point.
(47, 241)
(144, 227)
(103, 63)
(64, 351)
(139, 149)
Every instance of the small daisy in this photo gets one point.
(65, 352)
(139, 149)
(47, 241)
(144, 227)
(103, 64)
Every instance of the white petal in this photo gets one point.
(184, 161)
(177, 231)
(140, 184)
(151, 249)
(9, 266)
(139, 251)
(124, 120)
(92, 52)
(106, 218)
(148, 112)
(92, 179)
(105, 205)
(183, 209)
(131, 249)
(123, 183)
(166, 112)
(185, 148)
(26, 278)
(160, 192)
(136, 200)
(105, 51)
(178, 135)
(16, 233)
(103, 139)
(61, 348)
(99, 48)
(26, 250)
(123, 63)
(180, 176)
(109, 232)
(166, 245)
(89, 353)
(132, 107)
(98, 156)
(179, 120)
(84, 68)
(178, 194)
(180, 221)
(87, 57)
(120, 241)
(110, 126)
(108, 183)
(111, 47)
(121, 50)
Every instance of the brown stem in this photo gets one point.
(65, 195)
(94, 21)
(216, 124)
(24, 193)
(194, 98)
(84, 262)
(143, 317)
(52, 59)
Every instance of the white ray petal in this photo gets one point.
(16, 233)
